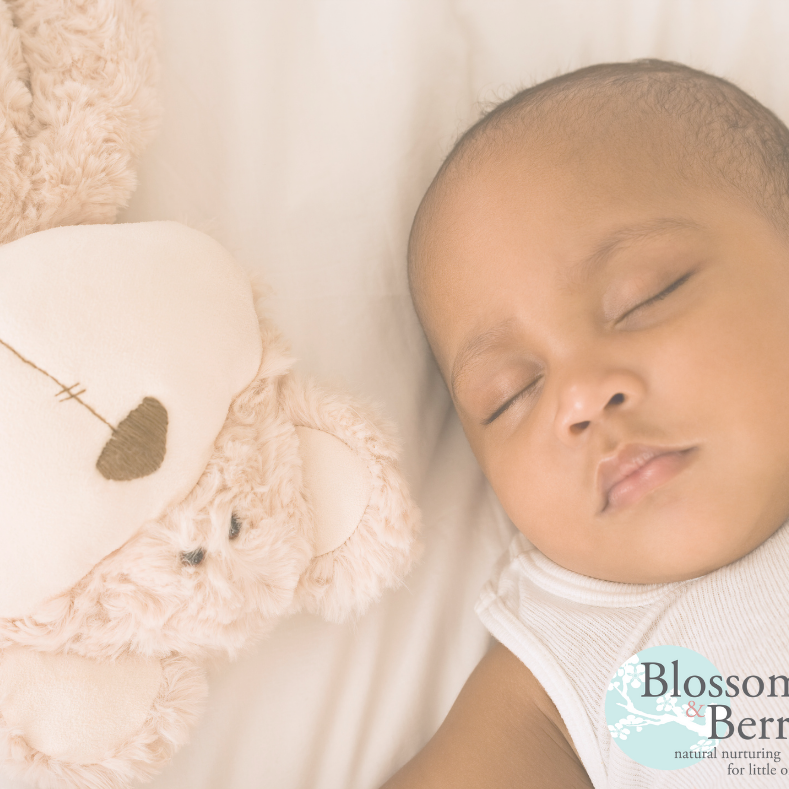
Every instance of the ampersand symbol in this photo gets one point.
(692, 712)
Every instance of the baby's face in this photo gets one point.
(617, 347)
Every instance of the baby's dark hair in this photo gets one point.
(716, 130)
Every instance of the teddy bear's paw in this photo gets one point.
(68, 721)
(365, 523)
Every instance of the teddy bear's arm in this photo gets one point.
(89, 109)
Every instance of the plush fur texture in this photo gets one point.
(218, 570)
(77, 88)
(174, 710)
(383, 547)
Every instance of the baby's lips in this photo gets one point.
(628, 459)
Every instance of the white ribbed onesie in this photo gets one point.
(573, 632)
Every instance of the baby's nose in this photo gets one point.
(585, 401)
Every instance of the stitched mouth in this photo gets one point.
(138, 443)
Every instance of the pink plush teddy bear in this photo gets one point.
(168, 489)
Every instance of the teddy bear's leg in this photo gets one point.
(92, 68)
(70, 721)
(365, 521)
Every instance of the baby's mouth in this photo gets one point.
(637, 469)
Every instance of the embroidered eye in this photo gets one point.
(235, 526)
(193, 557)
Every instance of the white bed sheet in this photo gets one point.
(301, 134)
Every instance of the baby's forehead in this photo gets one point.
(648, 114)
(544, 185)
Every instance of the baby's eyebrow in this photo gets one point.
(476, 347)
(626, 235)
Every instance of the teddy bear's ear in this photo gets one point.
(364, 521)
(338, 483)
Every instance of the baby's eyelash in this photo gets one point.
(501, 409)
(662, 295)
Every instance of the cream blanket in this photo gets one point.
(302, 135)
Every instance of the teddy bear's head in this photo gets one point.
(234, 493)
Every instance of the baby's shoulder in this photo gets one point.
(503, 730)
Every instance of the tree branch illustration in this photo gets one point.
(639, 718)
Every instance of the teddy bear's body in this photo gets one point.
(168, 489)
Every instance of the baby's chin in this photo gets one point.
(681, 555)
(636, 573)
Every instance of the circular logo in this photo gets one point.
(657, 707)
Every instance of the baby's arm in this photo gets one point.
(502, 731)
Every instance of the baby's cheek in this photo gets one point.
(533, 492)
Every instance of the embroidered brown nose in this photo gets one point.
(137, 445)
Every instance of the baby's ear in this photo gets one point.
(365, 523)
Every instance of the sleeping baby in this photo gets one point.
(601, 267)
